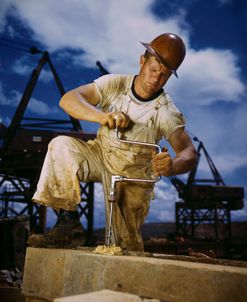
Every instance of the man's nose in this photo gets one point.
(156, 78)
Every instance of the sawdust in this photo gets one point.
(108, 250)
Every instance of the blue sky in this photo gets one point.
(210, 91)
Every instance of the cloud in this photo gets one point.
(24, 68)
(108, 31)
(208, 76)
(221, 128)
(162, 208)
(99, 206)
(8, 101)
(5, 120)
(111, 32)
(5, 6)
(34, 105)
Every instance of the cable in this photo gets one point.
(14, 42)
(14, 47)
(19, 46)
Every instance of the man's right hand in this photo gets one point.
(116, 119)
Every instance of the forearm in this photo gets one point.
(78, 107)
(184, 162)
(81, 104)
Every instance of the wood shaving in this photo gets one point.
(108, 250)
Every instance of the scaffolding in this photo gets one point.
(22, 151)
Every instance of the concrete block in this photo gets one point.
(105, 296)
(54, 273)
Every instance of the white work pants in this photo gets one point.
(69, 161)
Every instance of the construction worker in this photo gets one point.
(139, 106)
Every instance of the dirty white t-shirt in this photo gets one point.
(151, 119)
(160, 113)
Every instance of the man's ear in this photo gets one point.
(142, 60)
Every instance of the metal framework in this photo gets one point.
(23, 147)
(86, 207)
(189, 217)
(206, 201)
(14, 196)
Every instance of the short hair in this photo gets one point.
(147, 54)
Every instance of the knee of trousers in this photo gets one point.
(76, 155)
(61, 141)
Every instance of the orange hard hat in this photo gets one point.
(169, 49)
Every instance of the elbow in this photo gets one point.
(66, 101)
(194, 159)
(191, 159)
(63, 101)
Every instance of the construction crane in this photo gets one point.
(206, 200)
(203, 200)
(23, 147)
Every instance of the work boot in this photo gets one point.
(67, 233)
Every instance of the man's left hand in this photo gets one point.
(162, 163)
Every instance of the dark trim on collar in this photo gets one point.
(151, 98)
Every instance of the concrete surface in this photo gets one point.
(105, 296)
(54, 273)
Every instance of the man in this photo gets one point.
(143, 111)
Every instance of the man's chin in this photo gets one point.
(152, 90)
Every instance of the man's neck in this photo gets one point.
(140, 94)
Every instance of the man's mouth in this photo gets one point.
(153, 85)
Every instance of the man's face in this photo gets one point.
(153, 75)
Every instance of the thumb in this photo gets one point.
(164, 149)
(154, 152)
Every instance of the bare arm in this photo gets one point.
(81, 103)
(184, 160)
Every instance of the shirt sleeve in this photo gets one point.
(170, 119)
(107, 87)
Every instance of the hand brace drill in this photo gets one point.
(118, 178)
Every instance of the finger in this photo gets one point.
(111, 122)
(161, 166)
(154, 152)
(124, 123)
(120, 121)
(164, 150)
(156, 174)
(161, 156)
(126, 120)
(155, 171)
(163, 161)
(166, 166)
(165, 171)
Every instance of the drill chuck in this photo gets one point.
(112, 195)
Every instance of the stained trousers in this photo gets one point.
(69, 161)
